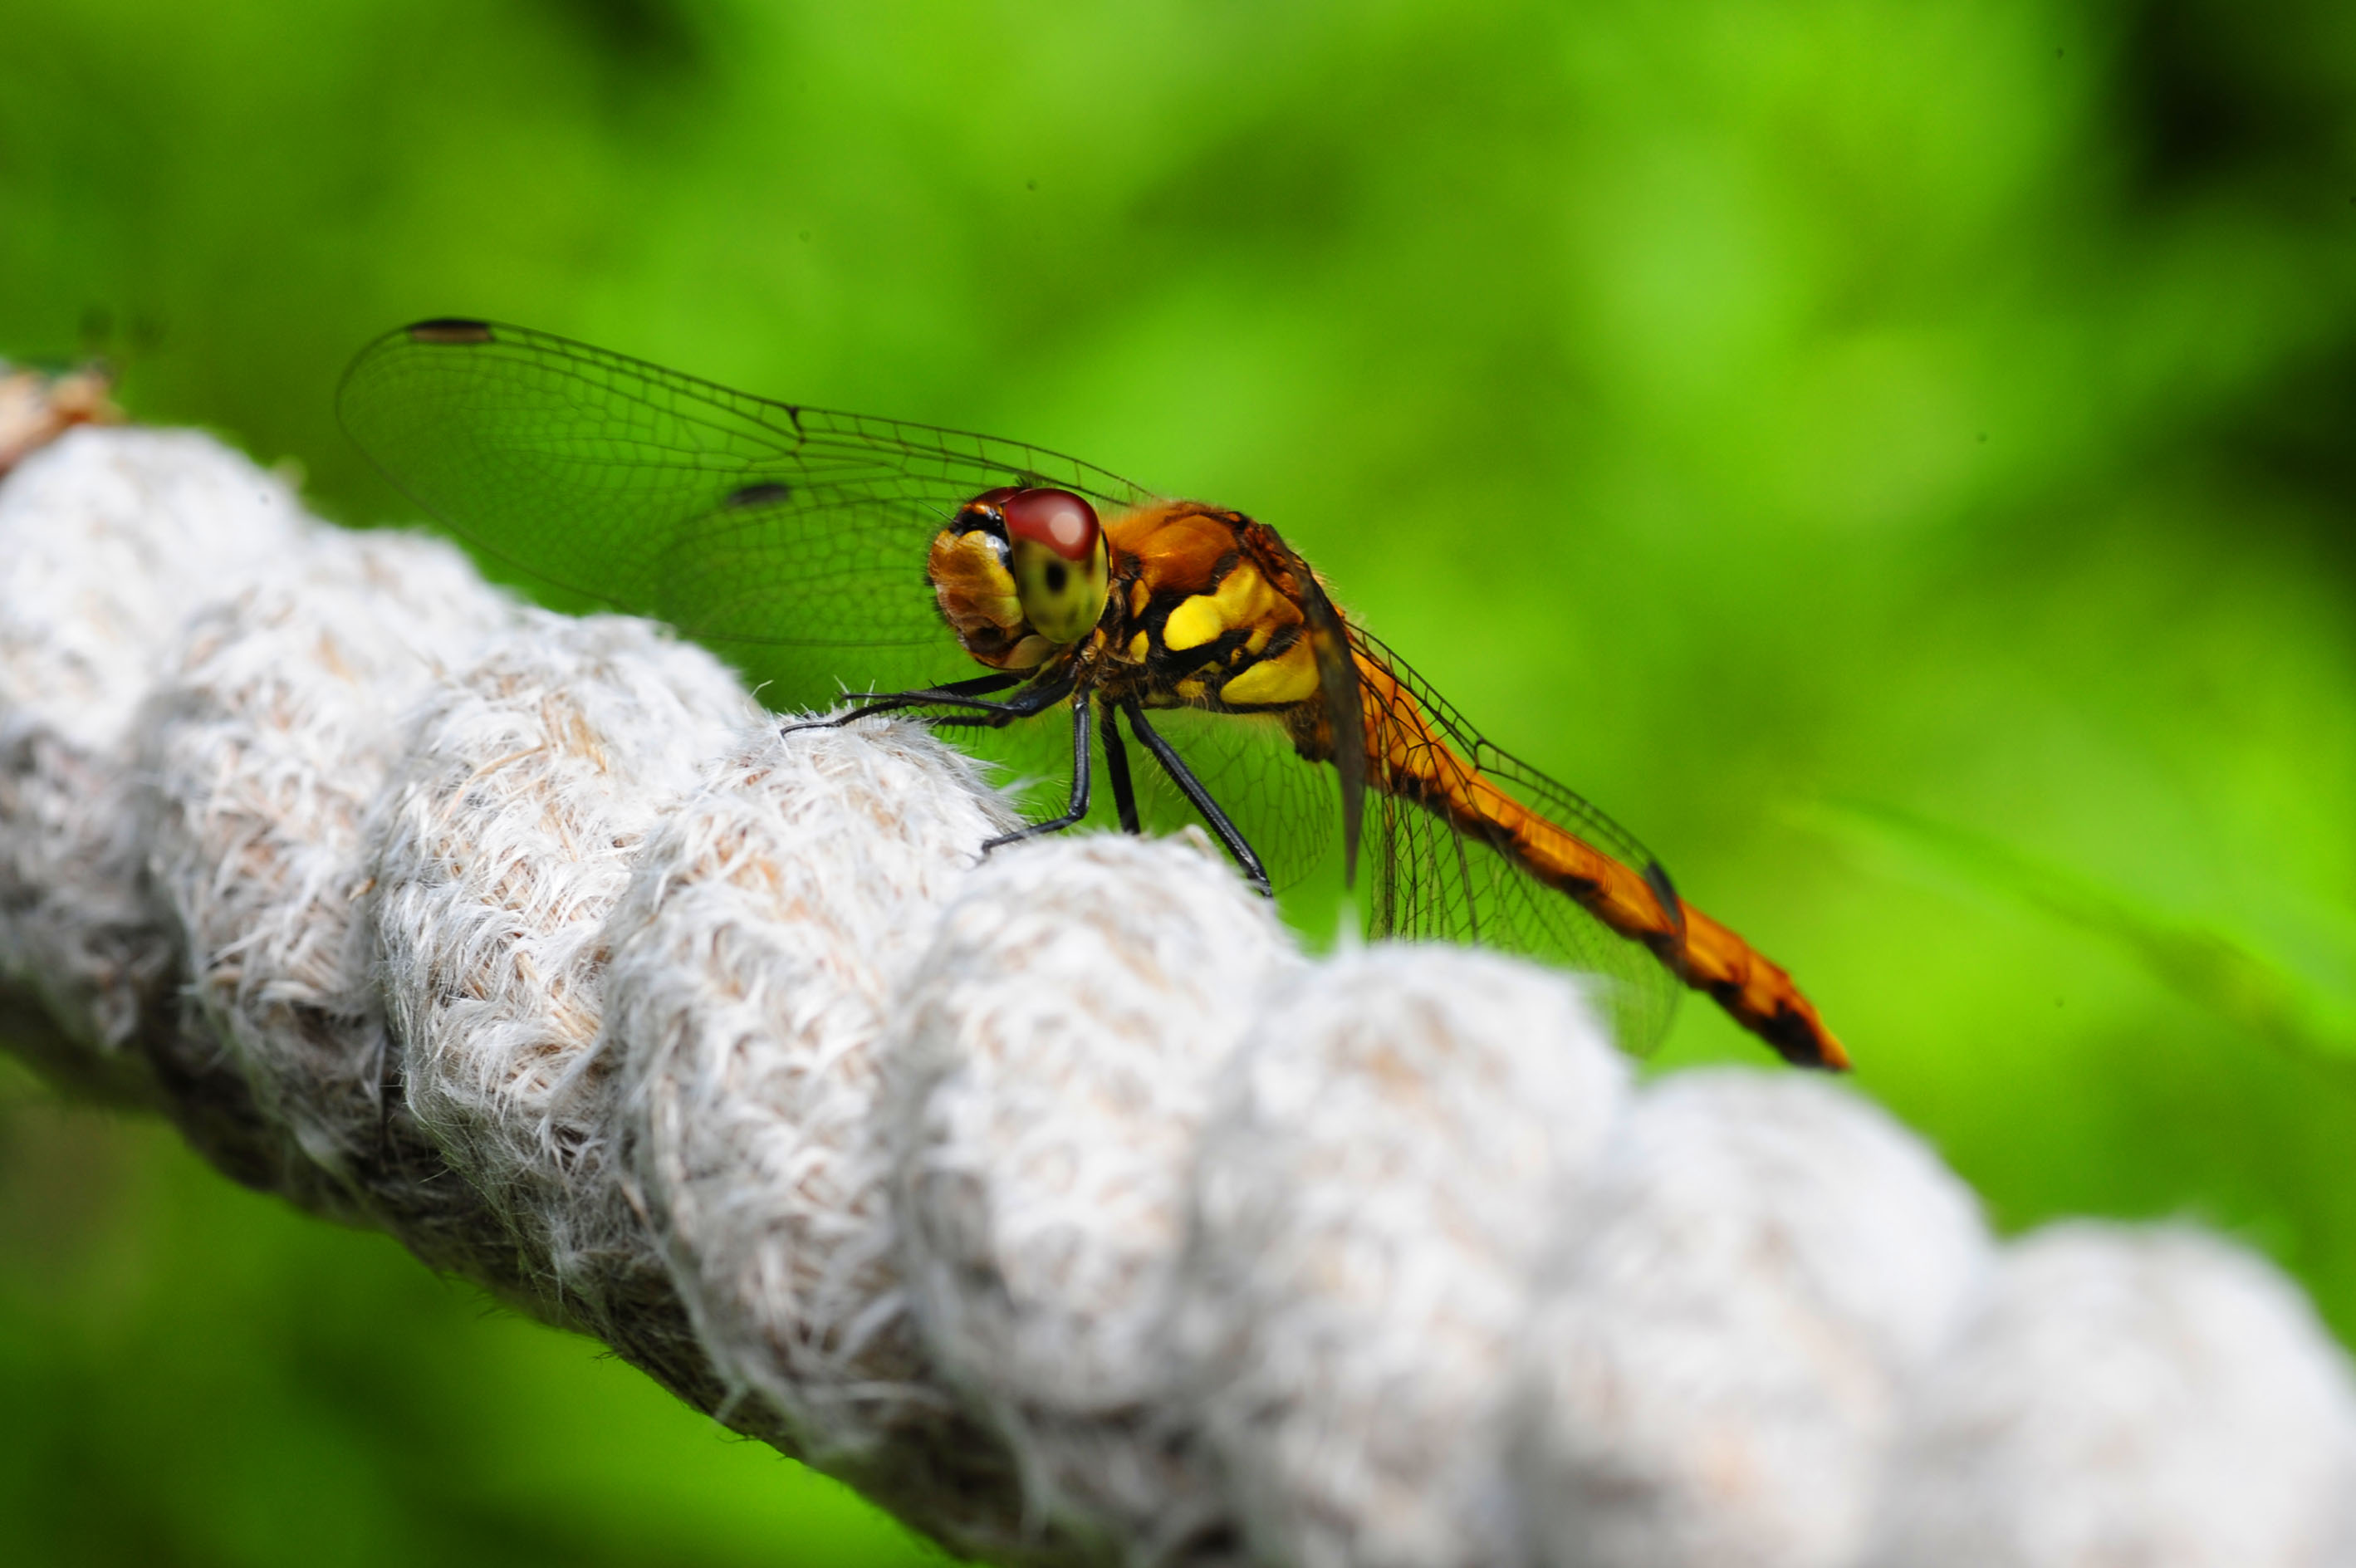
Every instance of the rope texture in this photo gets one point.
(1055, 1201)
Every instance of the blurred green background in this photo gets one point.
(1896, 458)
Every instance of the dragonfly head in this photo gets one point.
(1020, 574)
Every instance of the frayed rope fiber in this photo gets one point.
(1055, 1199)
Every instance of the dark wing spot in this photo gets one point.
(1665, 891)
(768, 492)
(451, 329)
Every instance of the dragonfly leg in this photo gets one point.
(950, 695)
(1079, 806)
(1124, 798)
(1029, 702)
(998, 715)
(1192, 787)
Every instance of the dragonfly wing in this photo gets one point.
(744, 523)
(1437, 876)
(1344, 707)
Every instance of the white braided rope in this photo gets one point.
(1055, 1201)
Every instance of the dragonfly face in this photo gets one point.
(788, 536)
(1020, 574)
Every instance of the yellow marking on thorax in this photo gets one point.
(1240, 598)
(1178, 547)
(1290, 677)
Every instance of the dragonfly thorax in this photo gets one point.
(1020, 574)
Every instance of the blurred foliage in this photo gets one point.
(1943, 410)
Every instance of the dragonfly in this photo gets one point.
(837, 554)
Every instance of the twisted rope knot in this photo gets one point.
(1058, 1199)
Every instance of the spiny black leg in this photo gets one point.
(998, 715)
(981, 685)
(955, 694)
(1124, 798)
(1029, 702)
(997, 718)
(1080, 807)
(950, 692)
(1192, 787)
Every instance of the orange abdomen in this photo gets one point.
(1407, 758)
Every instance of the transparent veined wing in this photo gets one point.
(793, 538)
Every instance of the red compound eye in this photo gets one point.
(1056, 519)
(997, 498)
